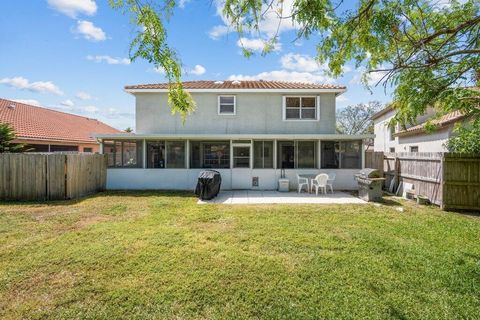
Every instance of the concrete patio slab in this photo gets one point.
(274, 197)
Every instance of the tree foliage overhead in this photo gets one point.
(357, 119)
(150, 43)
(427, 51)
(467, 139)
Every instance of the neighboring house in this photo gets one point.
(247, 130)
(45, 130)
(414, 138)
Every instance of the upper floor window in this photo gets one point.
(226, 105)
(300, 108)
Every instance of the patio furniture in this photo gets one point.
(302, 181)
(331, 178)
(320, 182)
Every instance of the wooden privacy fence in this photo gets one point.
(33, 176)
(449, 180)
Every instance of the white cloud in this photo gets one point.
(159, 70)
(182, 3)
(372, 78)
(32, 102)
(284, 75)
(89, 109)
(72, 8)
(277, 18)
(301, 62)
(217, 32)
(67, 103)
(198, 70)
(84, 96)
(37, 86)
(89, 31)
(109, 59)
(256, 44)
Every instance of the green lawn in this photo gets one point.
(160, 255)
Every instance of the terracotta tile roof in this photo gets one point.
(446, 119)
(233, 84)
(36, 123)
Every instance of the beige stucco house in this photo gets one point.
(249, 131)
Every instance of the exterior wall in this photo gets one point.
(425, 142)
(186, 179)
(256, 113)
(382, 140)
(95, 146)
(432, 142)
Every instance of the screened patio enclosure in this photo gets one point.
(171, 162)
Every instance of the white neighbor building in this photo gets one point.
(414, 138)
(248, 131)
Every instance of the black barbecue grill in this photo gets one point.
(369, 184)
(208, 185)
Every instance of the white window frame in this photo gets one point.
(317, 108)
(234, 105)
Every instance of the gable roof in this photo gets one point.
(382, 112)
(37, 123)
(233, 85)
(441, 122)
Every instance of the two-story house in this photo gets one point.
(414, 137)
(249, 131)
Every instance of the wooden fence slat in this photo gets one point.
(33, 176)
(449, 180)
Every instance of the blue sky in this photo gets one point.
(72, 55)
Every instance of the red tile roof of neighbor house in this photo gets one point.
(444, 120)
(235, 84)
(37, 123)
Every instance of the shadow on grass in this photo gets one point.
(102, 194)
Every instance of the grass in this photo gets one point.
(159, 255)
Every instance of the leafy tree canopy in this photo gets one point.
(467, 139)
(356, 119)
(428, 51)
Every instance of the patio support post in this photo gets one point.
(275, 154)
(319, 154)
(144, 155)
(363, 153)
(187, 154)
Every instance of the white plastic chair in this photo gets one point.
(320, 182)
(302, 182)
(331, 178)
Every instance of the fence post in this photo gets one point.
(442, 183)
(397, 174)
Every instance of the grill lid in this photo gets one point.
(369, 173)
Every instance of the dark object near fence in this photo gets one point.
(208, 185)
(370, 184)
